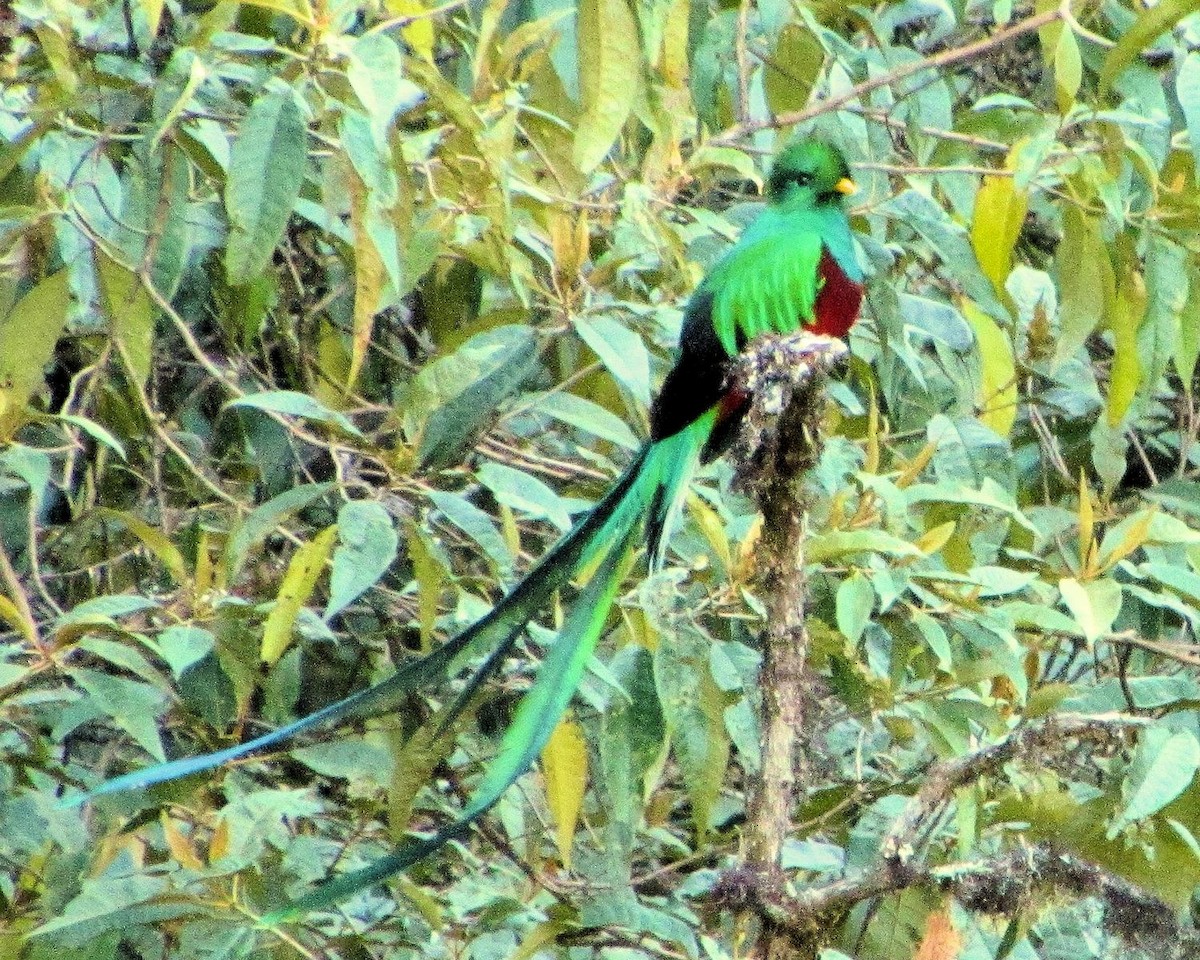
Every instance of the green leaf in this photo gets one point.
(693, 706)
(793, 68)
(586, 415)
(621, 351)
(429, 573)
(376, 73)
(176, 233)
(855, 600)
(621, 909)
(369, 276)
(1082, 265)
(708, 156)
(1150, 24)
(264, 518)
(1163, 767)
(610, 70)
(996, 397)
(367, 545)
(296, 404)
(155, 540)
(1187, 350)
(475, 380)
(266, 171)
(181, 646)
(1094, 604)
(1068, 70)
(132, 705)
(632, 743)
(478, 526)
(829, 546)
(1125, 375)
(1187, 91)
(95, 431)
(112, 903)
(130, 315)
(522, 491)
(27, 338)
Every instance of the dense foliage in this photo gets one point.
(320, 320)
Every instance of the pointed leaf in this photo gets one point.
(297, 404)
(1082, 266)
(131, 315)
(1129, 309)
(1094, 605)
(997, 394)
(367, 544)
(996, 224)
(609, 73)
(27, 338)
(1162, 768)
(564, 767)
(524, 492)
(266, 171)
(1150, 24)
(297, 586)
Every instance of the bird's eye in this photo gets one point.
(802, 179)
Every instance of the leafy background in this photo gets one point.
(321, 320)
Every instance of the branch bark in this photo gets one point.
(777, 445)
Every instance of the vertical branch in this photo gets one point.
(777, 446)
(742, 57)
(785, 648)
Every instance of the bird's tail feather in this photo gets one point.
(496, 632)
(538, 713)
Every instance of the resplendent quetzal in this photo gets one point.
(793, 267)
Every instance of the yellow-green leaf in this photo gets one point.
(996, 224)
(1093, 605)
(418, 31)
(11, 614)
(713, 529)
(996, 397)
(153, 10)
(27, 338)
(792, 71)
(182, 850)
(609, 77)
(300, 10)
(1129, 308)
(1150, 24)
(1068, 70)
(57, 50)
(155, 541)
(564, 768)
(368, 276)
(1082, 269)
(297, 587)
(130, 315)
(430, 575)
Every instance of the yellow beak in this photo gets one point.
(846, 186)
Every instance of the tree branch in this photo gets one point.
(1000, 885)
(939, 60)
(778, 443)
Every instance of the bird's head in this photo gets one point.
(809, 172)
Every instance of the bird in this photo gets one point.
(794, 267)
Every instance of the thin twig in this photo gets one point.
(739, 131)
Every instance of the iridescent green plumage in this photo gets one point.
(793, 267)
